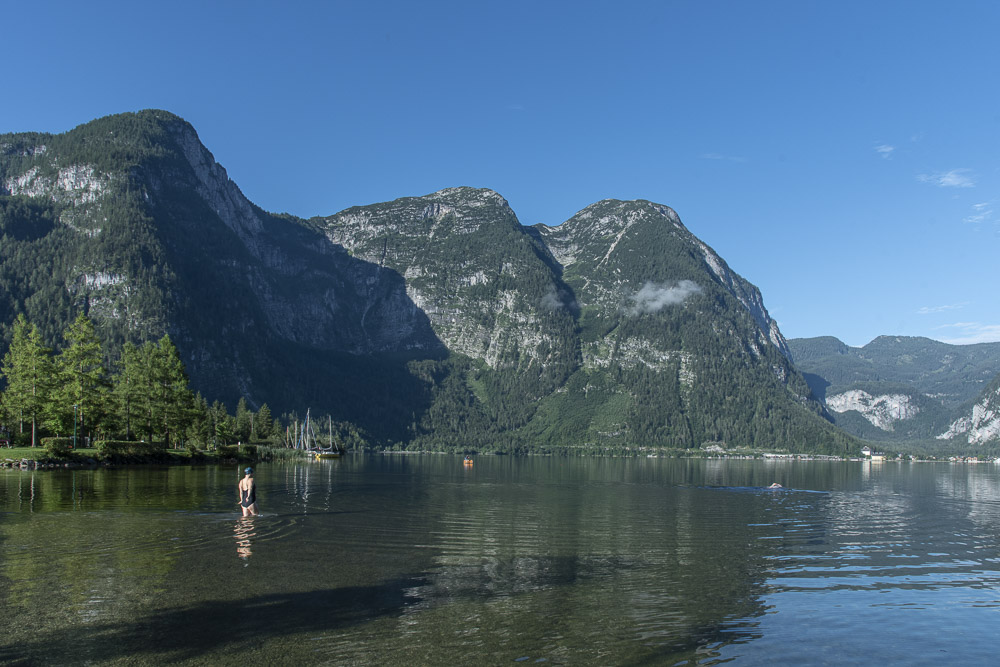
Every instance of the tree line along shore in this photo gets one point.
(139, 406)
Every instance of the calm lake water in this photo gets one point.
(417, 560)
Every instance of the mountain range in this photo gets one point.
(429, 321)
(906, 390)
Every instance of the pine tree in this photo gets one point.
(27, 367)
(128, 388)
(153, 387)
(263, 423)
(173, 400)
(221, 423)
(148, 395)
(244, 421)
(84, 383)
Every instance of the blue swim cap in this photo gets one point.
(248, 471)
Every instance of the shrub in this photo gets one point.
(129, 449)
(58, 447)
(227, 451)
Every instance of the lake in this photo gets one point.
(417, 559)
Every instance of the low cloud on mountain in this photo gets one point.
(653, 297)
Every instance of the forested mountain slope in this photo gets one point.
(434, 320)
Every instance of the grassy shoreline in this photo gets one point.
(40, 457)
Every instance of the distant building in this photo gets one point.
(871, 455)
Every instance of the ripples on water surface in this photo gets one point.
(392, 559)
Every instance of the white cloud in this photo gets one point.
(885, 150)
(972, 332)
(927, 310)
(551, 300)
(956, 178)
(981, 213)
(719, 156)
(653, 297)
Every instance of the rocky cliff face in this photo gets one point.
(599, 246)
(883, 411)
(983, 424)
(468, 266)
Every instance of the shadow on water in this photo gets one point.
(228, 631)
(214, 627)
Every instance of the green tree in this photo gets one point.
(221, 424)
(128, 389)
(224, 428)
(172, 401)
(243, 428)
(27, 367)
(200, 429)
(152, 389)
(83, 379)
(263, 423)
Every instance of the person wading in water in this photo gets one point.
(248, 493)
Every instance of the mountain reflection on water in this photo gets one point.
(381, 559)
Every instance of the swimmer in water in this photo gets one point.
(248, 493)
(775, 485)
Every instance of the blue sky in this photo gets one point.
(842, 156)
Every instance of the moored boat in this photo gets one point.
(326, 454)
(306, 440)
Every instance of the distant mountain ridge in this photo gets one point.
(903, 388)
(427, 321)
(981, 425)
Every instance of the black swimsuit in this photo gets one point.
(248, 497)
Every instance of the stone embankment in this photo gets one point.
(37, 464)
